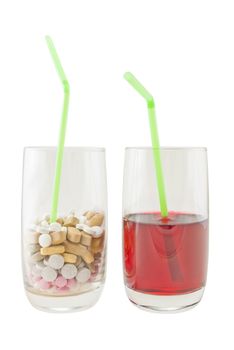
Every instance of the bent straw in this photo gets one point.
(62, 132)
(154, 138)
(174, 266)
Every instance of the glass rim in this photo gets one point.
(167, 148)
(68, 148)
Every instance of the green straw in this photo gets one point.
(154, 138)
(62, 132)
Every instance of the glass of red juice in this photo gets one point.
(165, 259)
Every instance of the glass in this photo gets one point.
(64, 262)
(165, 260)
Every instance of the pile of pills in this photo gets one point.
(67, 254)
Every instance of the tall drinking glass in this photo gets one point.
(64, 262)
(165, 259)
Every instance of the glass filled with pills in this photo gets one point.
(64, 260)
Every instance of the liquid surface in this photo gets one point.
(165, 256)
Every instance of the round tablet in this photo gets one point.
(55, 227)
(83, 275)
(45, 240)
(69, 271)
(60, 282)
(49, 274)
(56, 261)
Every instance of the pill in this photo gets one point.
(36, 278)
(71, 221)
(78, 260)
(64, 229)
(40, 265)
(73, 234)
(45, 261)
(44, 223)
(58, 237)
(80, 226)
(97, 244)
(33, 227)
(56, 261)
(33, 248)
(88, 257)
(46, 217)
(97, 231)
(89, 214)
(55, 227)
(88, 229)
(60, 220)
(83, 275)
(71, 282)
(48, 274)
(82, 219)
(36, 271)
(70, 258)
(54, 249)
(33, 237)
(36, 257)
(69, 271)
(43, 229)
(73, 248)
(43, 284)
(45, 240)
(86, 239)
(96, 220)
(60, 282)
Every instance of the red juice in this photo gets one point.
(165, 256)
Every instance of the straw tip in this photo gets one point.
(127, 75)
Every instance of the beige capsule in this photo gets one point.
(89, 214)
(56, 249)
(88, 257)
(33, 237)
(71, 221)
(97, 244)
(73, 235)
(60, 221)
(58, 237)
(86, 239)
(96, 220)
(70, 258)
(75, 248)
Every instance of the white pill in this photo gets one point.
(69, 271)
(83, 275)
(40, 265)
(33, 227)
(80, 226)
(46, 217)
(45, 261)
(64, 229)
(44, 223)
(56, 261)
(36, 271)
(45, 240)
(55, 227)
(48, 274)
(87, 229)
(43, 229)
(97, 231)
(82, 219)
(72, 213)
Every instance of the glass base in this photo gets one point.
(165, 303)
(64, 303)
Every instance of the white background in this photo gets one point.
(183, 52)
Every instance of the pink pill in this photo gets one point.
(60, 282)
(36, 278)
(71, 282)
(44, 284)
